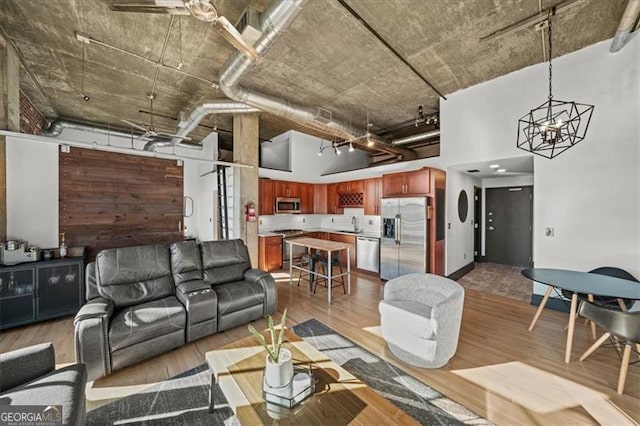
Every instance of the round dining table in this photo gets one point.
(579, 282)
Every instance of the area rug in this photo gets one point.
(183, 399)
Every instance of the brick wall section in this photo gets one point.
(31, 121)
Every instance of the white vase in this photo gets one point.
(279, 374)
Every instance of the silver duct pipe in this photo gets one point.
(628, 22)
(55, 128)
(199, 112)
(277, 19)
(416, 138)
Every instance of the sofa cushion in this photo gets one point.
(224, 261)
(185, 261)
(238, 295)
(65, 387)
(133, 275)
(406, 316)
(145, 321)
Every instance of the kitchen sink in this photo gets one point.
(350, 231)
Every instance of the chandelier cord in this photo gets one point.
(551, 11)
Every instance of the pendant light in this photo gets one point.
(554, 126)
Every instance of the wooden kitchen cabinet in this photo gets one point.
(307, 202)
(319, 234)
(287, 189)
(320, 198)
(407, 184)
(270, 253)
(266, 197)
(372, 195)
(351, 187)
(332, 199)
(350, 239)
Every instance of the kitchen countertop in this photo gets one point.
(334, 231)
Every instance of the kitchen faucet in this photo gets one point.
(354, 222)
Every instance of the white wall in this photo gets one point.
(307, 166)
(459, 240)
(32, 192)
(589, 194)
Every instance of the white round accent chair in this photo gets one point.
(420, 318)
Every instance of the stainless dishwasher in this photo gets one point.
(368, 254)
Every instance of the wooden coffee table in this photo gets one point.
(339, 399)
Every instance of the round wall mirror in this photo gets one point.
(463, 206)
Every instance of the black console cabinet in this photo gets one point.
(41, 290)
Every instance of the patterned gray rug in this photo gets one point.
(183, 400)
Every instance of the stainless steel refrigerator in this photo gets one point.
(403, 242)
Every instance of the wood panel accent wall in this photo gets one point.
(117, 200)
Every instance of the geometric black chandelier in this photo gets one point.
(554, 126)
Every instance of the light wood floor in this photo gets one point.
(519, 377)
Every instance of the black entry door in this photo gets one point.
(509, 225)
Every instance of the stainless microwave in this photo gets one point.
(287, 205)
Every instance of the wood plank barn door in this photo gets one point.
(117, 200)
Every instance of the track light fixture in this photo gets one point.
(351, 148)
(421, 118)
(336, 148)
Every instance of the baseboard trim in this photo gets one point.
(554, 303)
(462, 271)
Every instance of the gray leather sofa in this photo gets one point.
(146, 300)
(28, 376)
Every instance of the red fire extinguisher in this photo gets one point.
(250, 212)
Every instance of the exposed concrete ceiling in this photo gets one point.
(326, 58)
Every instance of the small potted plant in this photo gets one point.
(279, 366)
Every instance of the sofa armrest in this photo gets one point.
(96, 308)
(91, 337)
(267, 282)
(26, 364)
(193, 285)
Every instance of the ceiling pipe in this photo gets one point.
(416, 138)
(276, 19)
(55, 129)
(628, 24)
(198, 113)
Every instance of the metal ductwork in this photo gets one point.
(277, 19)
(55, 128)
(628, 23)
(416, 138)
(199, 112)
